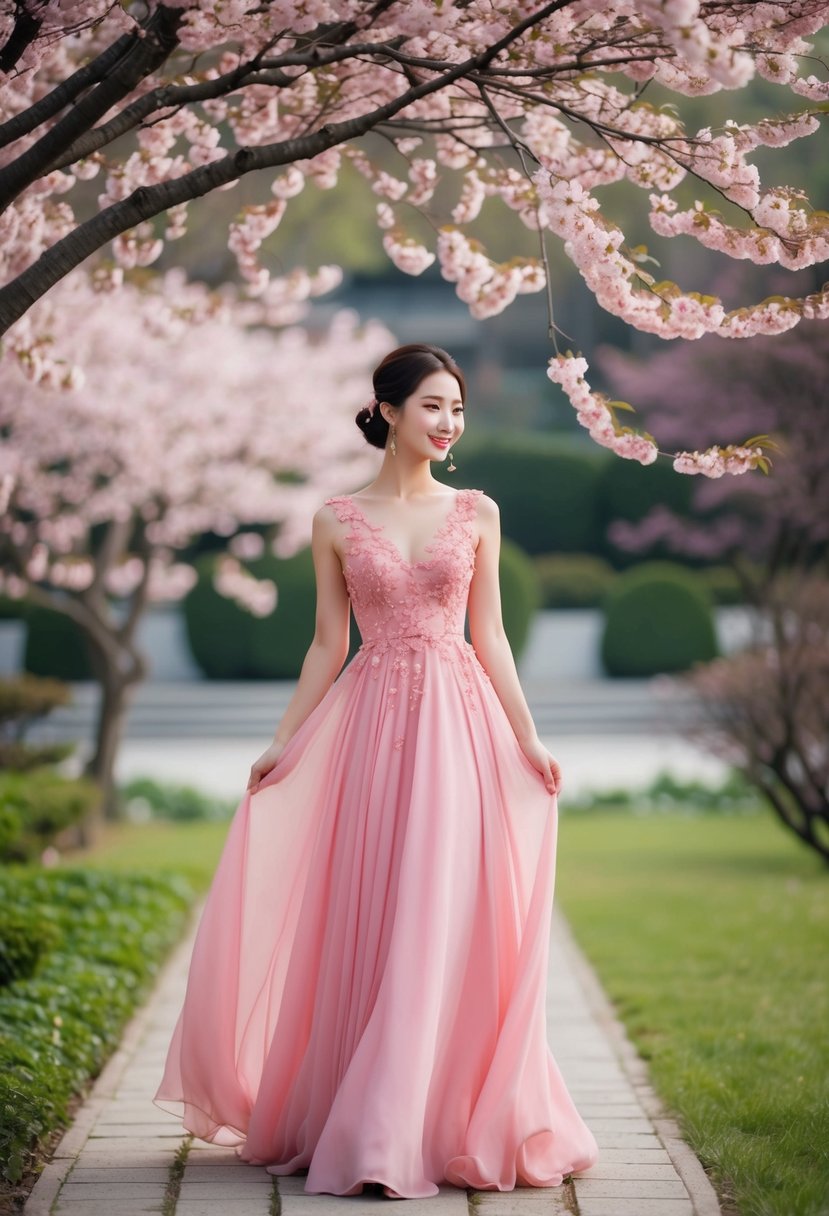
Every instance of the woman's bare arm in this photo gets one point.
(486, 630)
(329, 646)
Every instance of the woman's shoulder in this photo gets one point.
(487, 508)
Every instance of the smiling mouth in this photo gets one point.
(441, 443)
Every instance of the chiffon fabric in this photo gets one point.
(366, 993)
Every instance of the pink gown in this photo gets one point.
(366, 993)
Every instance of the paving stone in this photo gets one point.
(247, 1188)
(200, 1174)
(618, 1188)
(241, 1207)
(111, 1163)
(118, 1173)
(451, 1201)
(629, 1140)
(105, 1127)
(602, 1128)
(105, 1207)
(624, 1170)
(75, 1191)
(634, 1207)
(650, 1156)
(552, 1201)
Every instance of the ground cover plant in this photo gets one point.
(79, 949)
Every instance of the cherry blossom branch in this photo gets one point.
(64, 94)
(17, 296)
(143, 56)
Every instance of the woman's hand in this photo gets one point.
(261, 767)
(546, 764)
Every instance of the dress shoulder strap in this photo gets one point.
(467, 506)
(344, 508)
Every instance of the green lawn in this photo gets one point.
(710, 934)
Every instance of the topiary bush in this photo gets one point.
(657, 618)
(229, 643)
(546, 490)
(23, 700)
(577, 580)
(519, 594)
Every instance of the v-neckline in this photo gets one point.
(380, 529)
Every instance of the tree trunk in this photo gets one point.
(112, 714)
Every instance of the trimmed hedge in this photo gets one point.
(229, 643)
(36, 806)
(658, 618)
(627, 490)
(579, 580)
(58, 1026)
(547, 491)
(519, 594)
(55, 645)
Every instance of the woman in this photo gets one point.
(366, 996)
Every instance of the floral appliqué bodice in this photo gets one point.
(403, 608)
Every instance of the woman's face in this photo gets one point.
(432, 417)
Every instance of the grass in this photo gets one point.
(709, 933)
(191, 848)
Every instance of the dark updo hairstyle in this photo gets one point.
(397, 377)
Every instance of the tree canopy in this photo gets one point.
(535, 106)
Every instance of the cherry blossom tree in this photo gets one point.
(535, 106)
(764, 710)
(191, 415)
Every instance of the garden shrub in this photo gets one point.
(229, 643)
(657, 618)
(55, 645)
(519, 594)
(577, 580)
(723, 584)
(545, 489)
(37, 807)
(23, 700)
(168, 800)
(24, 939)
(58, 1026)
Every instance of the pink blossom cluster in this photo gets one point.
(715, 462)
(487, 287)
(785, 235)
(595, 412)
(258, 596)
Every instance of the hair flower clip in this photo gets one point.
(371, 406)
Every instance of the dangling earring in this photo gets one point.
(393, 444)
(451, 466)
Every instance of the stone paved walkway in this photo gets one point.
(117, 1157)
